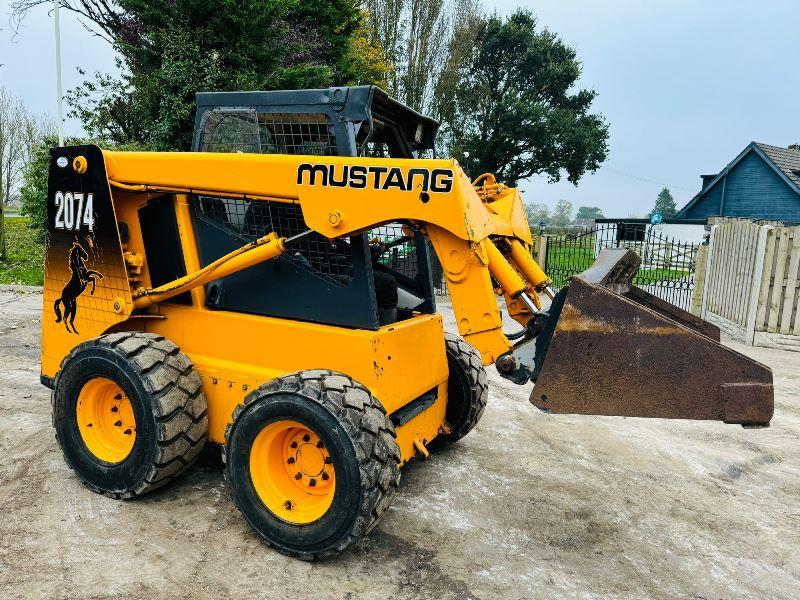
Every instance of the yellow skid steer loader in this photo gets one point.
(272, 292)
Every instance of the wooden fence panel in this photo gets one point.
(790, 294)
(746, 273)
(782, 285)
(721, 270)
(777, 281)
(763, 297)
(752, 287)
(732, 256)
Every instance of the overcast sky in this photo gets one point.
(685, 85)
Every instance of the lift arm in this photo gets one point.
(263, 249)
(341, 196)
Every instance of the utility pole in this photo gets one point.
(3, 128)
(58, 75)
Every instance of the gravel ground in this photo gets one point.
(528, 505)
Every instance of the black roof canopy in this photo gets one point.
(359, 104)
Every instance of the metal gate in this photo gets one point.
(668, 265)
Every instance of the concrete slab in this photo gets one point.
(527, 506)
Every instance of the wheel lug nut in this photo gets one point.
(306, 437)
(114, 408)
(118, 424)
(325, 477)
(290, 460)
(312, 482)
(288, 505)
(298, 475)
(293, 445)
(127, 432)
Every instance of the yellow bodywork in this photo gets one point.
(479, 232)
(235, 353)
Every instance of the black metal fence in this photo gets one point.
(668, 264)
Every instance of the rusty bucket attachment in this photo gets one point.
(610, 348)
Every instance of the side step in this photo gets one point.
(613, 349)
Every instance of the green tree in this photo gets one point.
(419, 38)
(366, 60)
(171, 49)
(516, 111)
(588, 213)
(445, 103)
(19, 130)
(562, 214)
(665, 204)
(538, 212)
(33, 193)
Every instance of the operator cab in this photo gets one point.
(369, 280)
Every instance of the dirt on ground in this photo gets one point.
(528, 505)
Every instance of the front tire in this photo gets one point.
(129, 413)
(312, 462)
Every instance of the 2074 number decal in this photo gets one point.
(74, 210)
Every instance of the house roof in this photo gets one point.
(785, 162)
(786, 159)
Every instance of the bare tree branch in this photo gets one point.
(108, 18)
(19, 132)
(416, 37)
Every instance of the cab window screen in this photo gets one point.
(249, 220)
(296, 133)
(268, 133)
(231, 131)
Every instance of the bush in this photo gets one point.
(24, 262)
(33, 193)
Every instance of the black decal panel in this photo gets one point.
(85, 283)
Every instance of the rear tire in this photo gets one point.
(311, 412)
(129, 413)
(467, 389)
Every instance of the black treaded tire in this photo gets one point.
(467, 389)
(361, 441)
(168, 403)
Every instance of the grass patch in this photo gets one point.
(569, 255)
(645, 276)
(24, 262)
(564, 261)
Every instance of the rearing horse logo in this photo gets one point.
(80, 280)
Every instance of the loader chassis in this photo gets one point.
(234, 351)
(281, 305)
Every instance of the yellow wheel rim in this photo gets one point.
(105, 420)
(292, 472)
